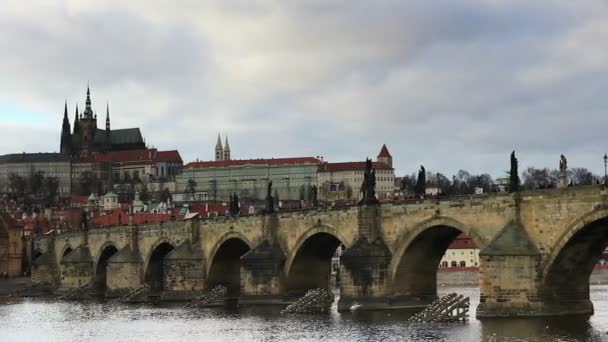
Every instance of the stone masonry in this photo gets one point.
(392, 251)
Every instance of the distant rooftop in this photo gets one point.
(241, 162)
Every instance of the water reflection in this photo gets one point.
(38, 320)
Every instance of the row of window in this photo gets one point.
(445, 264)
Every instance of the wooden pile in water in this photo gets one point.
(314, 301)
(215, 294)
(81, 292)
(132, 294)
(450, 308)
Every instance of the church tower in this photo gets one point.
(76, 123)
(219, 150)
(226, 150)
(385, 157)
(88, 126)
(66, 136)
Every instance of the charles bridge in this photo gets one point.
(538, 249)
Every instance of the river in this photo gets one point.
(44, 320)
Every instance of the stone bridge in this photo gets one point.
(537, 252)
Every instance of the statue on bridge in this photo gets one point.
(563, 172)
(233, 208)
(368, 188)
(269, 200)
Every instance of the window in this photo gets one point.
(463, 264)
(444, 264)
(454, 264)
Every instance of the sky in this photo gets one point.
(447, 84)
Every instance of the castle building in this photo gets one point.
(86, 138)
(222, 152)
(342, 181)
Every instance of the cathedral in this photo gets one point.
(86, 138)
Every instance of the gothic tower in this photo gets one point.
(88, 126)
(226, 150)
(108, 140)
(219, 150)
(385, 157)
(66, 136)
(76, 123)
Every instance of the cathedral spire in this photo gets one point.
(108, 116)
(88, 110)
(76, 123)
(65, 132)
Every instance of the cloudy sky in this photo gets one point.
(448, 84)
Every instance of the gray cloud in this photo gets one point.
(448, 84)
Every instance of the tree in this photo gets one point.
(36, 182)
(582, 176)
(17, 184)
(408, 183)
(421, 182)
(51, 188)
(191, 188)
(443, 183)
(165, 195)
(513, 174)
(534, 178)
(144, 195)
(88, 182)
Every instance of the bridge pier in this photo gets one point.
(509, 276)
(76, 269)
(124, 272)
(364, 266)
(262, 275)
(183, 272)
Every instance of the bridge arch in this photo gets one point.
(312, 251)
(66, 250)
(567, 269)
(224, 262)
(571, 229)
(106, 251)
(413, 268)
(154, 272)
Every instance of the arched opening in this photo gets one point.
(311, 267)
(566, 281)
(102, 267)
(66, 252)
(226, 266)
(416, 273)
(154, 272)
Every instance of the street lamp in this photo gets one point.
(605, 168)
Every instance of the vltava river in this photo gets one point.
(38, 320)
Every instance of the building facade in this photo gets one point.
(27, 164)
(292, 179)
(342, 181)
(462, 252)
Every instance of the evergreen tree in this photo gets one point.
(513, 175)
(420, 188)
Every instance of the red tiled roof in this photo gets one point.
(384, 152)
(239, 162)
(169, 156)
(463, 241)
(140, 156)
(350, 166)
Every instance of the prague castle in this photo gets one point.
(86, 138)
